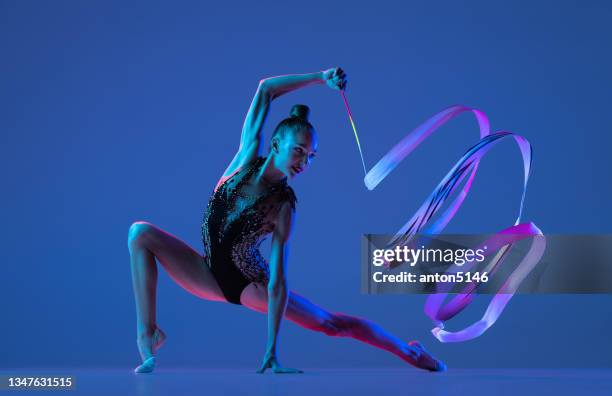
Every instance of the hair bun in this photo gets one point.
(300, 111)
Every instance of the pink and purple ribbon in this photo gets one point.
(423, 221)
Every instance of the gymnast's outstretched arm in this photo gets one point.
(278, 291)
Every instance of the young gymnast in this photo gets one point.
(252, 200)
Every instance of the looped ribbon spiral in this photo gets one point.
(502, 242)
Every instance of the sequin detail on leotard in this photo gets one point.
(234, 226)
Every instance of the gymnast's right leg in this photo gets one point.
(184, 265)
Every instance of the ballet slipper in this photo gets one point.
(146, 367)
(426, 360)
(157, 341)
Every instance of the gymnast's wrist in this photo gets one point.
(320, 77)
(271, 351)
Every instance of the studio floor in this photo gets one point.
(320, 382)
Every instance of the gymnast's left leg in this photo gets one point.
(308, 315)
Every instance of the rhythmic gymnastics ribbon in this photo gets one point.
(420, 222)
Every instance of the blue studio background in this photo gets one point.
(113, 112)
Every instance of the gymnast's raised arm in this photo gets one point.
(251, 140)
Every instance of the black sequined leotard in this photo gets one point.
(234, 225)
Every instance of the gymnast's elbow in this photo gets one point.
(264, 86)
(277, 286)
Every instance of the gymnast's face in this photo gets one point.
(295, 151)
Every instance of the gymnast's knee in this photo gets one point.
(138, 232)
(334, 326)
